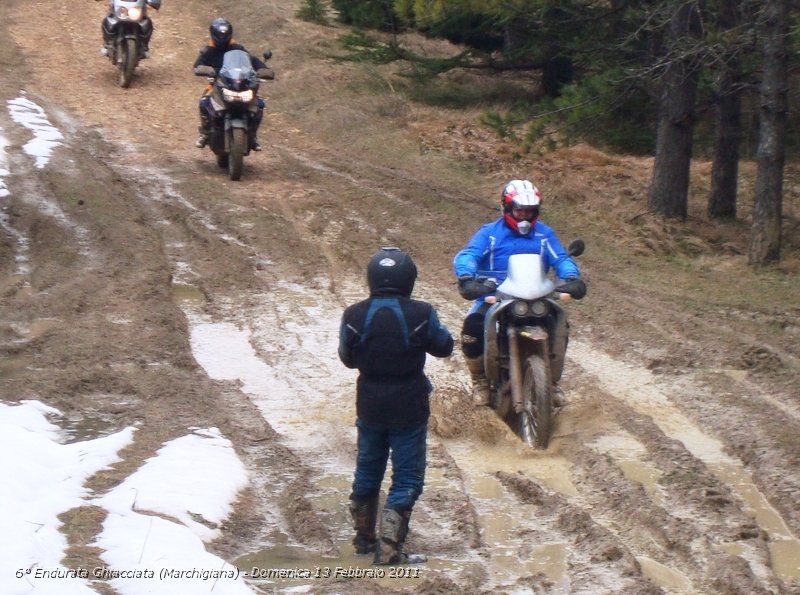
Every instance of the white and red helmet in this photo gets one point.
(520, 194)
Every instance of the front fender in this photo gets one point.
(231, 123)
(528, 335)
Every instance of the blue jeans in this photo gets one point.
(408, 451)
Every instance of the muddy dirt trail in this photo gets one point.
(140, 286)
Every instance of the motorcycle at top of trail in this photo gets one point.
(525, 342)
(233, 107)
(130, 27)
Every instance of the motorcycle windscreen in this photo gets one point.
(526, 278)
(237, 71)
(128, 4)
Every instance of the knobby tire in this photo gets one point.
(129, 57)
(536, 421)
(236, 158)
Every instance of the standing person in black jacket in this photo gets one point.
(387, 337)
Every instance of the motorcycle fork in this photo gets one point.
(539, 337)
(122, 36)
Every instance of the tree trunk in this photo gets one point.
(765, 236)
(728, 120)
(727, 138)
(669, 189)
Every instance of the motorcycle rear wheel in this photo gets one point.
(236, 158)
(536, 421)
(127, 62)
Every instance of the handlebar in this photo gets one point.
(263, 74)
(472, 288)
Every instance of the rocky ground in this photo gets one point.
(131, 263)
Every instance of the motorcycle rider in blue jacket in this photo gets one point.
(386, 337)
(517, 231)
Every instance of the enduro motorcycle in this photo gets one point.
(234, 103)
(129, 25)
(525, 341)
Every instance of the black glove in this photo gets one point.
(574, 287)
(471, 287)
(266, 73)
(204, 70)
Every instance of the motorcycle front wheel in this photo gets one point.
(127, 61)
(536, 421)
(236, 157)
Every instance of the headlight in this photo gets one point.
(233, 96)
(522, 308)
(129, 14)
(519, 308)
(539, 308)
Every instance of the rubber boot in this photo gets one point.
(559, 399)
(252, 134)
(365, 516)
(205, 133)
(146, 32)
(394, 529)
(481, 395)
(108, 27)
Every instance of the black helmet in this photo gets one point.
(391, 272)
(221, 32)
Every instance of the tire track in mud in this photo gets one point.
(680, 542)
(755, 421)
(25, 127)
(691, 527)
(277, 502)
(447, 515)
(715, 508)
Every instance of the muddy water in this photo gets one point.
(504, 521)
(282, 353)
(306, 395)
(639, 389)
(304, 364)
(668, 578)
(631, 457)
